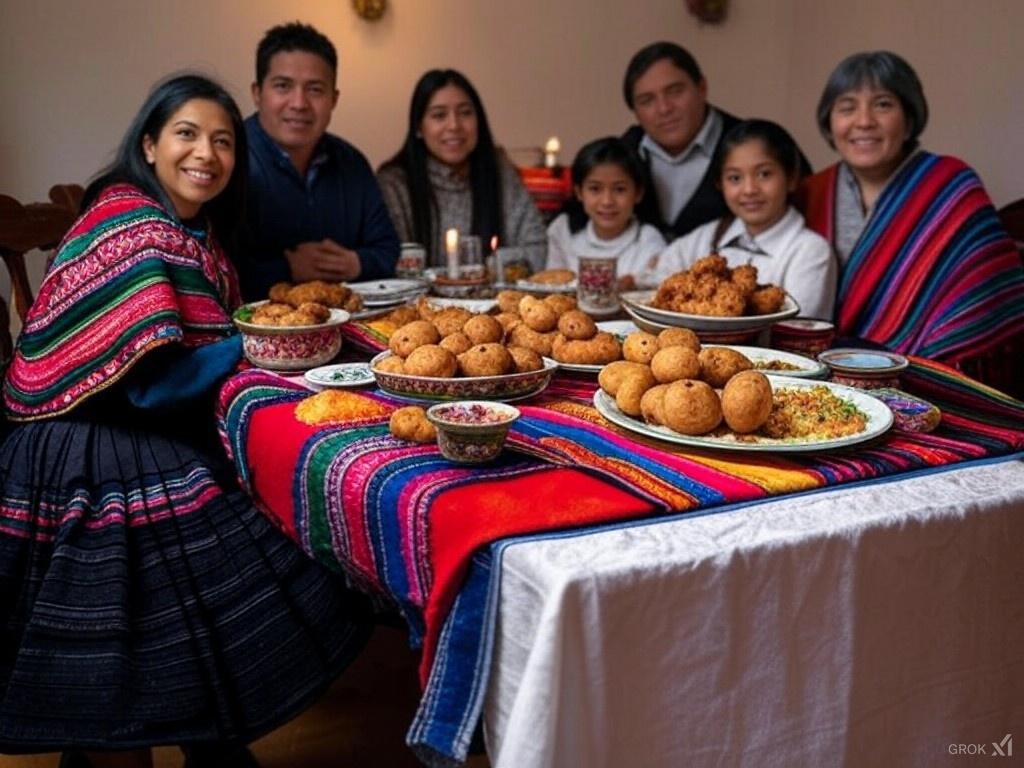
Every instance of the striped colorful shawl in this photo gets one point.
(126, 279)
(408, 525)
(934, 273)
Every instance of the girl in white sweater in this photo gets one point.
(607, 178)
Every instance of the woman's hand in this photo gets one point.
(323, 260)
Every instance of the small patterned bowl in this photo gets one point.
(509, 386)
(291, 348)
(864, 368)
(471, 431)
(803, 336)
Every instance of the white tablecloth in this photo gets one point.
(880, 625)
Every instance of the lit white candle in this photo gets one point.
(551, 149)
(451, 248)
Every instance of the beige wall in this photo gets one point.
(72, 72)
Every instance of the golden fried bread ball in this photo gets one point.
(553, 276)
(719, 364)
(431, 360)
(674, 363)
(538, 315)
(402, 315)
(425, 309)
(525, 359)
(508, 320)
(412, 335)
(279, 292)
(560, 302)
(456, 343)
(486, 360)
(613, 373)
(652, 404)
(319, 291)
(391, 364)
(483, 329)
(679, 337)
(576, 324)
(632, 388)
(766, 300)
(603, 348)
(640, 347)
(410, 423)
(691, 407)
(747, 401)
(450, 320)
(508, 301)
(523, 335)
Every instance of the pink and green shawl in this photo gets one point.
(934, 273)
(127, 278)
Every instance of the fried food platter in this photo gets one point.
(509, 386)
(638, 306)
(878, 420)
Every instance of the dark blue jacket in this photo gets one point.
(339, 199)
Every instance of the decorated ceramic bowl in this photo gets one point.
(864, 368)
(510, 386)
(803, 336)
(290, 347)
(471, 431)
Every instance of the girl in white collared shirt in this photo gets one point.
(758, 167)
(607, 179)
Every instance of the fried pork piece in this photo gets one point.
(320, 292)
(712, 264)
(402, 315)
(279, 292)
(354, 302)
(745, 277)
(270, 314)
(766, 300)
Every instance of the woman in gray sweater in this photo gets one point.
(448, 173)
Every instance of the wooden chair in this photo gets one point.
(24, 228)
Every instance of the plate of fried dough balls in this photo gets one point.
(672, 388)
(451, 353)
(712, 297)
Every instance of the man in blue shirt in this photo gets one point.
(315, 209)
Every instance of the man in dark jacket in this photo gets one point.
(677, 136)
(315, 211)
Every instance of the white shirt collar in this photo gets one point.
(616, 244)
(772, 242)
(704, 142)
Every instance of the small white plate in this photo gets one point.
(527, 285)
(620, 329)
(341, 375)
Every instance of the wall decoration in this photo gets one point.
(371, 10)
(708, 11)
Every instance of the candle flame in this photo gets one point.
(451, 240)
(494, 243)
(553, 145)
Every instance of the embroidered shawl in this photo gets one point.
(933, 273)
(127, 278)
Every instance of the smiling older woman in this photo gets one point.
(926, 267)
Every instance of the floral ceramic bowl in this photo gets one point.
(471, 431)
(290, 347)
(804, 336)
(510, 386)
(864, 368)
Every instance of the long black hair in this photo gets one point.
(484, 179)
(226, 211)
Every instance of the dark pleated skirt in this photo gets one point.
(144, 600)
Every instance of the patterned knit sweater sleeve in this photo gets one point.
(395, 189)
